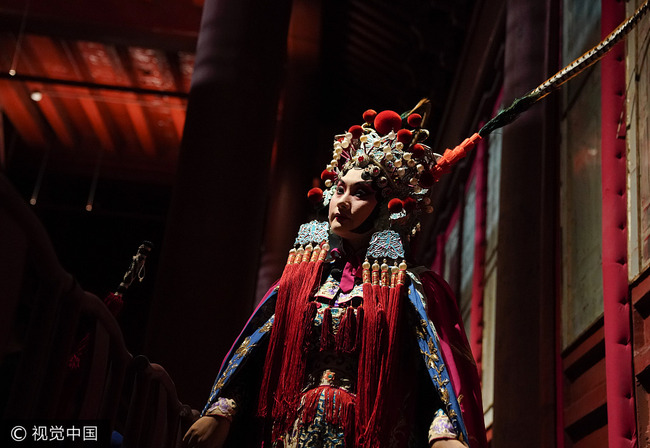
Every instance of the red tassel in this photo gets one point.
(293, 364)
(383, 296)
(358, 343)
(327, 337)
(394, 314)
(369, 361)
(378, 365)
(282, 394)
(308, 325)
(338, 407)
(310, 405)
(276, 343)
(347, 419)
(347, 334)
(311, 277)
(74, 362)
(114, 302)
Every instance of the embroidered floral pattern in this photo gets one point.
(346, 298)
(337, 314)
(441, 427)
(330, 289)
(312, 232)
(224, 407)
(317, 434)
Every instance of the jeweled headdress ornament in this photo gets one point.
(389, 148)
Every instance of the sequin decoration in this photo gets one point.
(327, 195)
(385, 244)
(312, 232)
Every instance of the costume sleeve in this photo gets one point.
(443, 311)
(441, 427)
(248, 344)
(223, 407)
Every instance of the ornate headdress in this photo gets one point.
(401, 166)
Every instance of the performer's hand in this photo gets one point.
(207, 432)
(451, 443)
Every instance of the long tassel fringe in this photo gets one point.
(338, 407)
(378, 369)
(276, 343)
(346, 336)
(373, 332)
(327, 336)
(285, 360)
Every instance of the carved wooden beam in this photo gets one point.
(169, 24)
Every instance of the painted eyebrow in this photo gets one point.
(362, 183)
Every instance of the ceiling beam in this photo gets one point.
(136, 111)
(14, 100)
(173, 25)
(98, 121)
(142, 130)
(92, 85)
(57, 116)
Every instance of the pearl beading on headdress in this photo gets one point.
(393, 157)
(402, 167)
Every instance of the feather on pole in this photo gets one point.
(576, 67)
(520, 105)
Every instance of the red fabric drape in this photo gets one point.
(622, 431)
(456, 354)
(478, 274)
(442, 263)
(439, 261)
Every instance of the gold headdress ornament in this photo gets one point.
(395, 158)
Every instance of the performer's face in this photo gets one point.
(352, 203)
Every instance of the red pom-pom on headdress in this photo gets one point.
(356, 131)
(418, 151)
(414, 120)
(369, 115)
(387, 121)
(404, 136)
(315, 195)
(328, 175)
(395, 205)
(409, 204)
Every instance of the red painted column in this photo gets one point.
(209, 261)
(524, 375)
(621, 418)
(478, 273)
